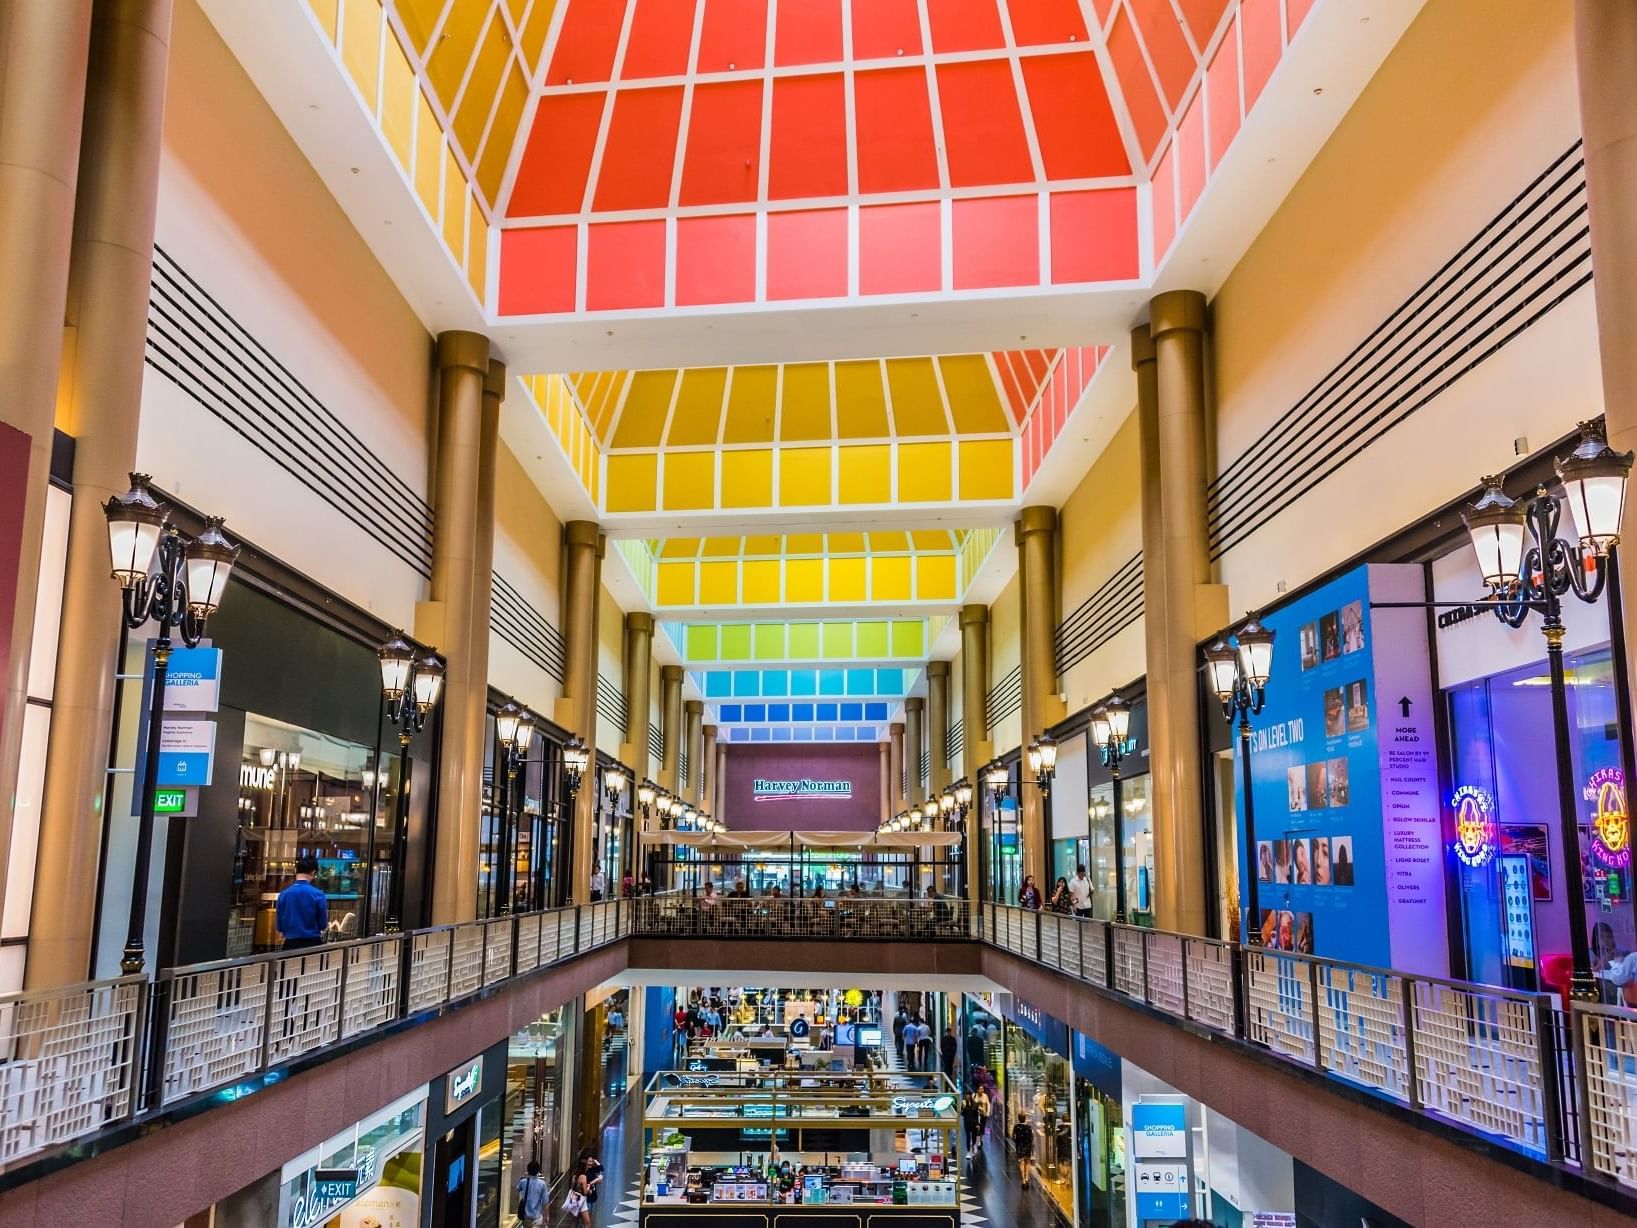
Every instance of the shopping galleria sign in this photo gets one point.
(778, 790)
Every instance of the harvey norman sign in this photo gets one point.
(776, 790)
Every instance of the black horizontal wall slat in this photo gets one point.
(522, 626)
(1527, 260)
(196, 344)
(1116, 604)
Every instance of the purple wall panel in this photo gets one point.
(859, 763)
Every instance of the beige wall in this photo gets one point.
(1101, 528)
(1005, 653)
(241, 210)
(528, 551)
(1477, 99)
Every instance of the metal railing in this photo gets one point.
(841, 917)
(1506, 1064)
(79, 1059)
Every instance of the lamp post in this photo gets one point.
(1110, 729)
(514, 727)
(614, 782)
(411, 681)
(1537, 578)
(178, 583)
(1239, 677)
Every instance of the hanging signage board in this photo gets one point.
(193, 680)
(187, 752)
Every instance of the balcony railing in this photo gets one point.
(842, 917)
(80, 1059)
(1510, 1066)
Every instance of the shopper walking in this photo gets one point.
(1080, 893)
(900, 1022)
(923, 1052)
(577, 1202)
(972, 1120)
(947, 1047)
(1023, 1145)
(303, 911)
(533, 1196)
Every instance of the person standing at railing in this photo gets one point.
(1028, 895)
(1080, 893)
(599, 883)
(303, 910)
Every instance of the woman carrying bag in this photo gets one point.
(577, 1203)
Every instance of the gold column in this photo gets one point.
(106, 328)
(886, 775)
(693, 712)
(1156, 627)
(975, 748)
(1606, 66)
(577, 711)
(483, 561)
(897, 794)
(1192, 608)
(1037, 589)
(914, 706)
(670, 711)
(937, 714)
(639, 656)
(42, 62)
(707, 790)
(446, 620)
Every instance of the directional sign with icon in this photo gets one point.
(186, 752)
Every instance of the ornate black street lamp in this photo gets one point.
(411, 681)
(1536, 577)
(178, 584)
(1238, 673)
(1110, 729)
(514, 729)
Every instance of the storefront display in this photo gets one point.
(370, 1171)
(1099, 1134)
(783, 1149)
(1087, 836)
(1507, 857)
(1038, 1087)
(536, 1103)
(465, 1143)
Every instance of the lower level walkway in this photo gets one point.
(991, 1197)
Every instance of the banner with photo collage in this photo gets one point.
(1348, 852)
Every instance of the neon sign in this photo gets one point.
(1474, 825)
(1610, 822)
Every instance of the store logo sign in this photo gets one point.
(252, 776)
(704, 1080)
(1610, 824)
(911, 1104)
(781, 790)
(463, 1084)
(1030, 1013)
(1474, 825)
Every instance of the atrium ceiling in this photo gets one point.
(806, 298)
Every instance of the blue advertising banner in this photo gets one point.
(193, 680)
(1051, 1032)
(1348, 852)
(1097, 1064)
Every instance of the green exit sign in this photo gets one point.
(170, 801)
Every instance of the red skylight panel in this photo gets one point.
(1073, 120)
(557, 159)
(1136, 86)
(895, 148)
(965, 25)
(641, 149)
(882, 29)
(809, 149)
(1168, 48)
(1042, 22)
(586, 44)
(983, 127)
(661, 36)
(807, 32)
(734, 35)
(724, 143)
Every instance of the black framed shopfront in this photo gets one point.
(1091, 823)
(1502, 860)
(527, 820)
(304, 763)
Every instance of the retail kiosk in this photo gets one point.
(783, 1149)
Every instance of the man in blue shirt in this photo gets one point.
(303, 910)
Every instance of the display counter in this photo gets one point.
(784, 1149)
